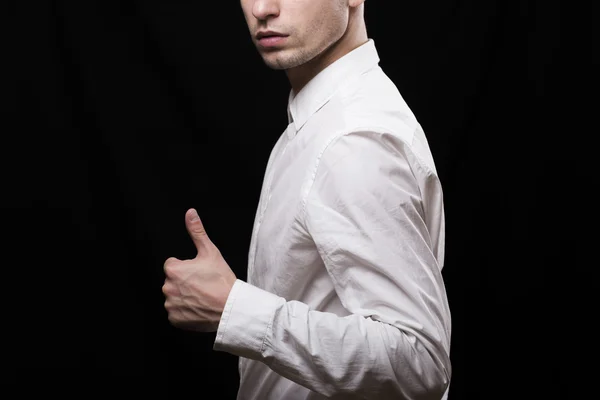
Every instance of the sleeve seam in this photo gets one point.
(269, 326)
(337, 136)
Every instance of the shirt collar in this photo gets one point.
(317, 92)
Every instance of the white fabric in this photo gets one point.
(345, 297)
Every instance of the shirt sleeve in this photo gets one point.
(366, 216)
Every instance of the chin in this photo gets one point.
(275, 66)
(278, 62)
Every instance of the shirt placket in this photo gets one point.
(266, 197)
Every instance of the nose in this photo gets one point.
(263, 9)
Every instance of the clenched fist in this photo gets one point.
(196, 290)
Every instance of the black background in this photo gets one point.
(121, 115)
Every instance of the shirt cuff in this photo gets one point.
(246, 319)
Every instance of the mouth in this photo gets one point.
(267, 34)
(268, 42)
(270, 39)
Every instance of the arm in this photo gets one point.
(365, 215)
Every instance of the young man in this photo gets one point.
(345, 297)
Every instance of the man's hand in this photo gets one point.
(196, 290)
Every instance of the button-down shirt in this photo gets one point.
(344, 296)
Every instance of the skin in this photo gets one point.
(319, 32)
(196, 290)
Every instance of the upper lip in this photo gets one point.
(262, 34)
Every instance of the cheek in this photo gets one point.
(326, 25)
(247, 18)
(247, 14)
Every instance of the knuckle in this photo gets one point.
(170, 261)
(169, 265)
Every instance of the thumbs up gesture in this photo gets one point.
(196, 290)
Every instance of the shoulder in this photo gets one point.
(370, 115)
(369, 102)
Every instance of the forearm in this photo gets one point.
(346, 357)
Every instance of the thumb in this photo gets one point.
(196, 230)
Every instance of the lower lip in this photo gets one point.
(272, 41)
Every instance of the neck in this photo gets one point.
(355, 36)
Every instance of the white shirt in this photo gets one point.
(345, 297)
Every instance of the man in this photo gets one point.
(345, 297)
